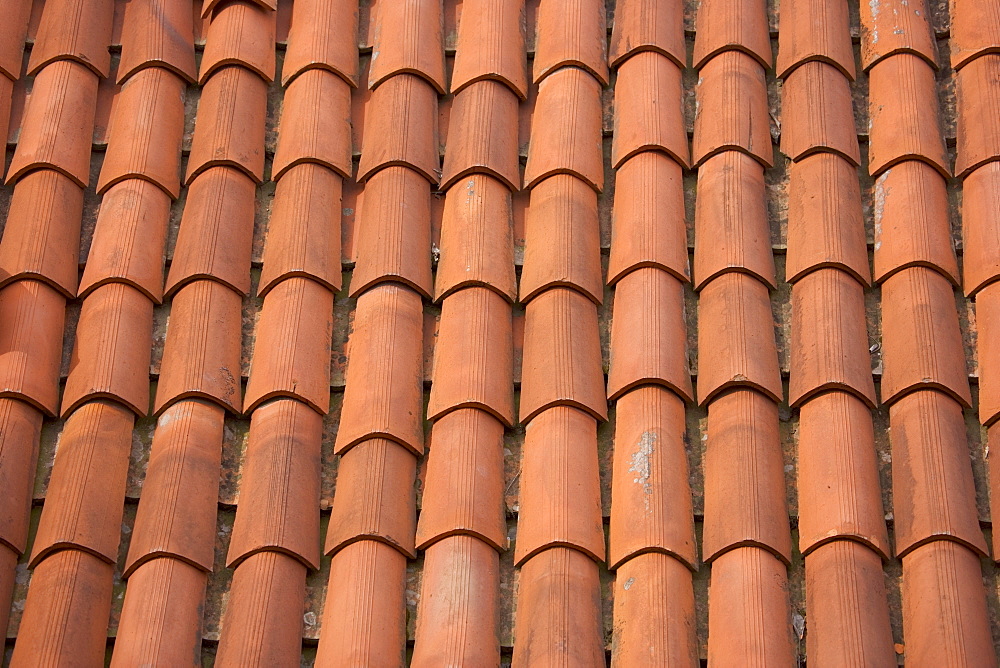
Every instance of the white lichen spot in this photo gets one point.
(874, 5)
(640, 464)
(309, 618)
(628, 584)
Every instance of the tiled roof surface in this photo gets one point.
(478, 332)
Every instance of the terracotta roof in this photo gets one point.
(499, 332)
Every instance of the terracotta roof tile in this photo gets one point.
(394, 236)
(649, 112)
(980, 227)
(561, 369)
(41, 239)
(814, 30)
(825, 226)
(651, 495)
(323, 36)
(112, 350)
(988, 327)
(647, 25)
(13, 32)
(241, 33)
(216, 232)
(491, 45)
(9, 90)
(561, 147)
(230, 126)
(407, 38)
(58, 124)
(933, 493)
(891, 27)
(201, 357)
(315, 124)
(648, 227)
(8, 565)
(128, 240)
(847, 606)
(482, 135)
(562, 240)
(76, 30)
(738, 26)
(208, 7)
(31, 343)
(401, 128)
(744, 477)
(921, 341)
(463, 487)
(818, 113)
(839, 493)
(176, 515)
(736, 338)
(978, 87)
(477, 243)
(975, 30)
(648, 334)
(83, 508)
(571, 33)
(303, 237)
(20, 428)
(157, 33)
(993, 475)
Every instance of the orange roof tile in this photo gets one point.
(978, 91)
(975, 30)
(315, 124)
(209, 7)
(571, 33)
(814, 30)
(241, 33)
(491, 46)
(323, 36)
(818, 113)
(482, 135)
(737, 26)
(12, 35)
(401, 128)
(647, 25)
(407, 38)
(31, 343)
(980, 227)
(160, 33)
(988, 324)
(891, 27)
(649, 112)
(74, 30)
(20, 427)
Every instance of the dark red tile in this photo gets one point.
(649, 113)
(491, 45)
(482, 135)
(648, 25)
(892, 27)
(31, 343)
(818, 31)
(241, 33)
(20, 428)
(323, 35)
(407, 37)
(315, 124)
(157, 33)
(74, 30)
(818, 113)
(736, 26)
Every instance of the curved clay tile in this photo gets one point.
(11, 95)
(216, 232)
(477, 238)
(993, 472)
(904, 123)
(649, 334)
(648, 25)
(731, 212)
(394, 232)
(562, 355)
(31, 343)
(459, 605)
(279, 491)
(839, 492)
(945, 617)
(491, 46)
(896, 26)
(263, 622)
(933, 495)
(744, 477)
(649, 114)
(463, 485)
(648, 227)
(177, 513)
(161, 618)
(83, 509)
(825, 227)
(988, 327)
(921, 342)
(241, 33)
(912, 227)
(560, 499)
(8, 568)
(229, 130)
(209, 6)
(365, 610)
(315, 124)
(128, 239)
(978, 91)
(654, 613)
(20, 428)
(292, 350)
(112, 350)
(482, 135)
(731, 113)
(815, 30)
(736, 346)
(818, 113)
(58, 124)
(384, 387)
(735, 26)
(375, 497)
(76, 30)
(303, 235)
(401, 127)
(847, 606)
(571, 34)
(473, 356)
(323, 35)
(562, 240)
(146, 132)
(980, 227)
(566, 129)
(201, 357)
(407, 38)
(651, 494)
(65, 616)
(158, 33)
(41, 239)
(13, 32)
(558, 617)
(975, 30)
